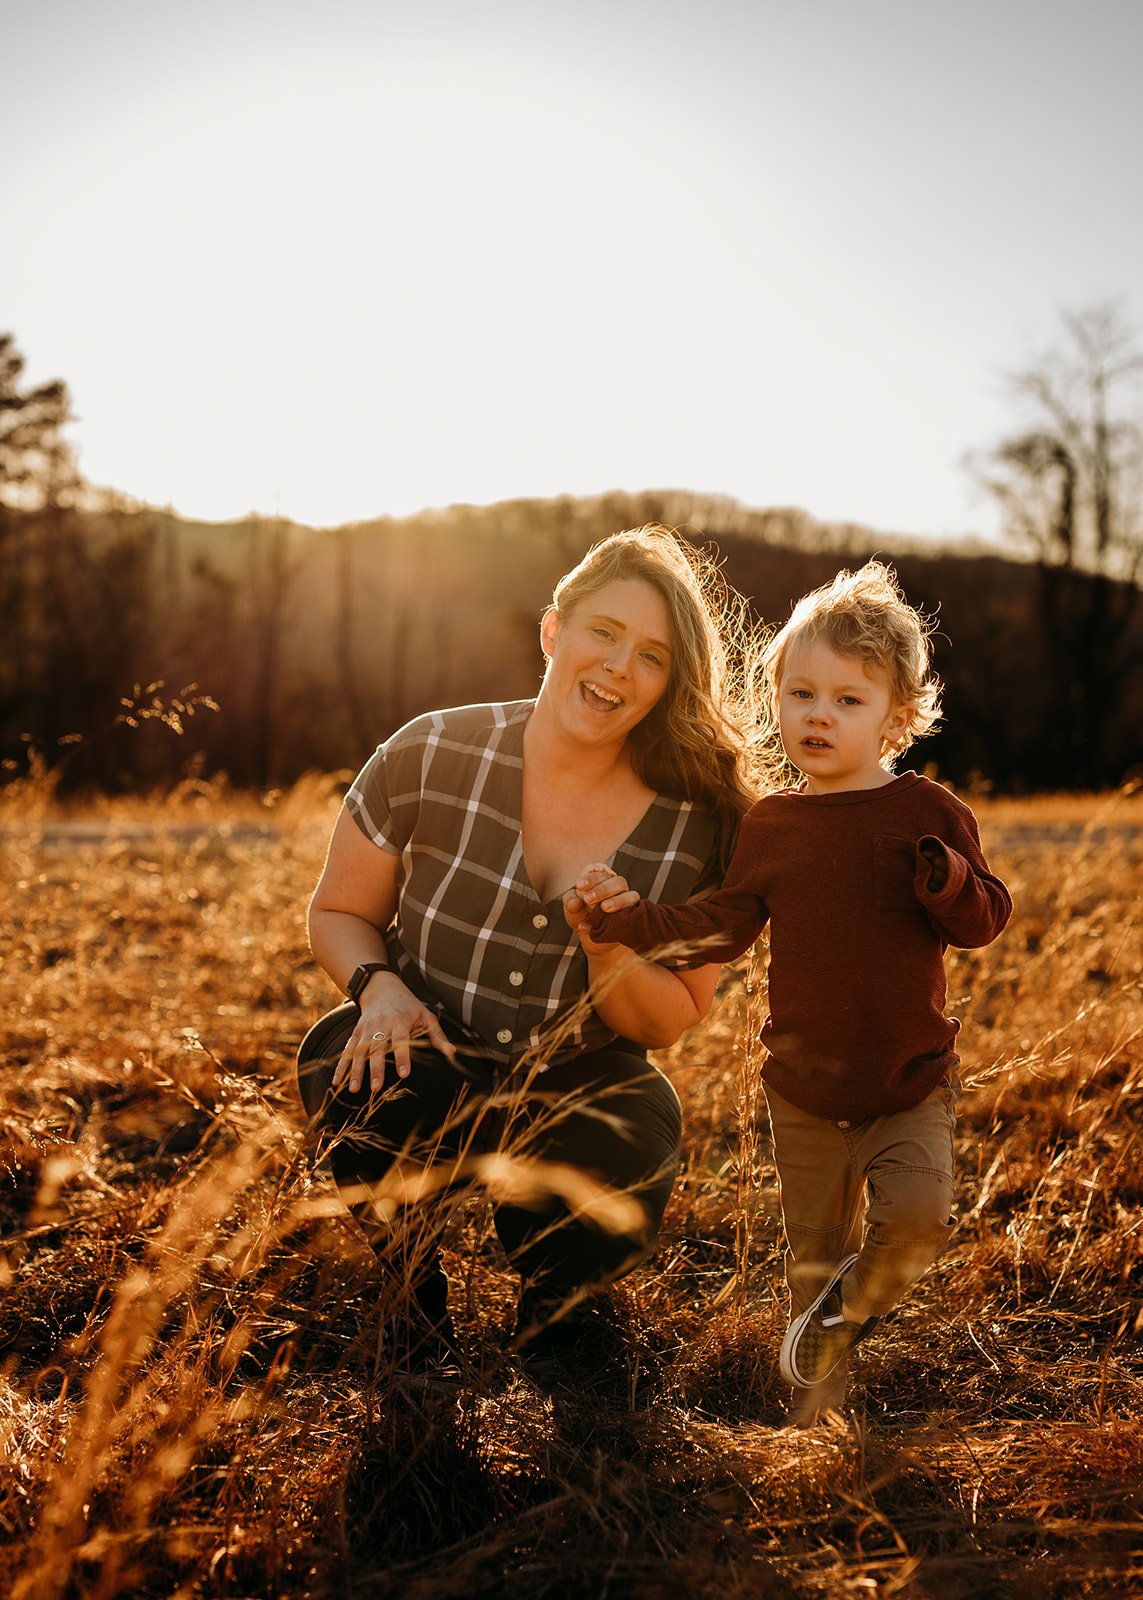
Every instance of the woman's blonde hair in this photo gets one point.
(864, 614)
(700, 741)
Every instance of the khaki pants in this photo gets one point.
(882, 1188)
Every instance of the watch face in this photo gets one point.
(362, 976)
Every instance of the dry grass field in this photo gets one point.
(191, 1400)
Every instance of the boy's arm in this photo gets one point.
(718, 927)
(966, 903)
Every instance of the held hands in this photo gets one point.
(598, 887)
(391, 1018)
(934, 854)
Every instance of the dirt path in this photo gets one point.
(82, 833)
(69, 834)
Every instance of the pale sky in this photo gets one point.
(337, 259)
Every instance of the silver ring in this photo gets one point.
(381, 1036)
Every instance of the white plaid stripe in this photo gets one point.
(445, 793)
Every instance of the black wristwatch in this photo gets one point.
(362, 975)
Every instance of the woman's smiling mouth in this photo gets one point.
(600, 698)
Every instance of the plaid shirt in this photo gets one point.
(472, 937)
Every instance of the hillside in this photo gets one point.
(315, 644)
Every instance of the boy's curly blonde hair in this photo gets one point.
(865, 614)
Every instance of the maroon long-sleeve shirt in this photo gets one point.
(857, 1025)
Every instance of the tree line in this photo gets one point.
(137, 647)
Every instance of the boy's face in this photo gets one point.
(836, 718)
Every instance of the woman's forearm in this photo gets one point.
(341, 941)
(645, 1003)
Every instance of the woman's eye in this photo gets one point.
(652, 660)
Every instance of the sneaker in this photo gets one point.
(820, 1339)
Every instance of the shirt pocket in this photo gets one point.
(894, 865)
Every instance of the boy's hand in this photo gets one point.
(934, 854)
(597, 887)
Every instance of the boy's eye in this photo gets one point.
(800, 694)
(850, 700)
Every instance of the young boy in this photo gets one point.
(865, 878)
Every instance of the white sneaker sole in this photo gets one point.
(794, 1330)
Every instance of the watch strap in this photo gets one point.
(362, 975)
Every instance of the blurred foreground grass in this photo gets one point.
(191, 1402)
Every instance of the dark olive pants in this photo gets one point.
(588, 1148)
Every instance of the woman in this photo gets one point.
(478, 1019)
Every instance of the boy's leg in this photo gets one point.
(822, 1192)
(908, 1161)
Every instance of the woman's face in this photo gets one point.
(609, 660)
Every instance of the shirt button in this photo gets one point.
(843, 1123)
(505, 1036)
(516, 978)
(539, 920)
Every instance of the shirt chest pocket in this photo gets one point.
(894, 863)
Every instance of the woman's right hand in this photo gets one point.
(391, 1018)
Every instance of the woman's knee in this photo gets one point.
(318, 1055)
(617, 1116)
(431, 1112)
(553, 1247)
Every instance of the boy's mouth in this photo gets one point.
(598, 697)
(816, 744)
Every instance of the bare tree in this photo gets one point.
(345, 654)
(268, 582)
(1070, 486)
(1069, 482)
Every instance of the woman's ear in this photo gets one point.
(549, 628)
